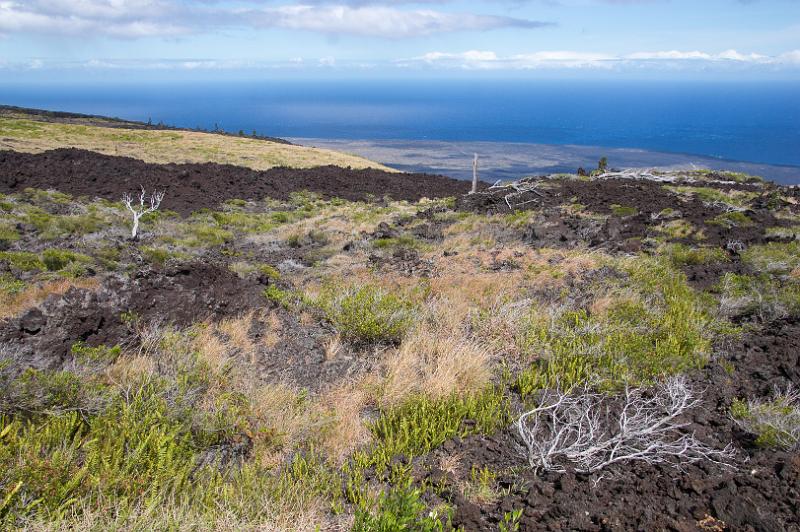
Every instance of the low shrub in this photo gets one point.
(774, 257)
(22, 260)
(731, 219)
(623, 211)
(775, 422)
(8, 234)
(367, 314)
(202, 235)
(422, 424)
(57, 259)
(761, 296)
(683, 255)
(399, 508)
(653, 325)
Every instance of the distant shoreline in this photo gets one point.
(511, 160)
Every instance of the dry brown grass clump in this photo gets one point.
(16, 303)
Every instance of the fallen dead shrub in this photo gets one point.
(587, 431)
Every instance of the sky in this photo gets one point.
(79, 39)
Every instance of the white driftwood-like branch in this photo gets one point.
(515, 189)
(141, 209)
(586, 431)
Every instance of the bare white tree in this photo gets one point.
(586, 431)
(140, 210)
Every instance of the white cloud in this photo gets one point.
(727, 55)
(145, 18)
(488, 60)
(790, 58)
(379, 21)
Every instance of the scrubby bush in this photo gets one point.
(22, 260)
(57, 259)
(8, 234)
(654, 324)
(623, 211)
(421, 423)
(775, 422)
(398, 509)
(367, 314)
(761, 296)
(774, 257)
(683, 255)
(731, 219)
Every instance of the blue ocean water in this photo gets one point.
(755, 122)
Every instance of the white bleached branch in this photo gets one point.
(586, 431)
(141, 209)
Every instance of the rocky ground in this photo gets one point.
(355, 346)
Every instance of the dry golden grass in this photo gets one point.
(344, 429)
(237, 332)
(436, 365)
(211, 349)
(333, 347)
(170, 146)
(14, 304)
(172, 515)
(130, 368)
(272, 333)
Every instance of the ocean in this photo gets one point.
(745, 122)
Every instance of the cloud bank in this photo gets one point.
(672, 59)
(148, 18)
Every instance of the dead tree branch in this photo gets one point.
(587, 431)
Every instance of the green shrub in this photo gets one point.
(8, 233)
(762, 296)
(398, 509)
(278, 295)
(101, 353)
(679, 229)
(774, 257)
(10, 284)
(244, 221)
(422, 424)
(270, 271)
(36, 392)
(22, 260)
(736, 198)
(731, 219)
(683, 255)
(623, 211)
(367, 314)
(663, 329)
(161, 255)
(775, 422)
(57, 259)
(200, 235)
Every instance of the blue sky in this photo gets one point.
(741, 39)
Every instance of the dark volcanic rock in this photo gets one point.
(190, 187)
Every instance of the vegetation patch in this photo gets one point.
(761, 296)
(623, 211)
(683, 255)
(652, 325)
(368, 314)
(731, 219)
(775, 422)
(774, 257)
